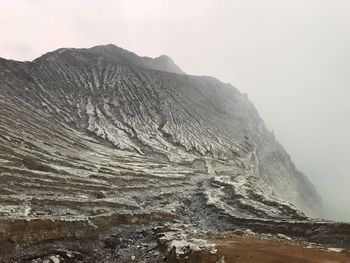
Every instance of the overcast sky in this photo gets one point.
(292, 58)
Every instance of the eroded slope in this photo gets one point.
(90, 133)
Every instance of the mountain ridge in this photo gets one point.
(92, 135)
(119, 55)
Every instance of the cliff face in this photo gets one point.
(85, 132)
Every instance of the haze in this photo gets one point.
(291, 57)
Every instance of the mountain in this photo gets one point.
(101, 134)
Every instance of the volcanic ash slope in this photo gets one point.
(103, 133)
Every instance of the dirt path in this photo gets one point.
(248, 250)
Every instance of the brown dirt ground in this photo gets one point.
(250, 250)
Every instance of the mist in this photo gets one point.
(291, 57)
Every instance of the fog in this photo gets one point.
(291, 57)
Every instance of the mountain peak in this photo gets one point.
(168, 63)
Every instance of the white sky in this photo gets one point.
(292, 57)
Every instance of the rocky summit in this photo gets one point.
(106, 156)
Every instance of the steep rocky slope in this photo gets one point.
(90, 137)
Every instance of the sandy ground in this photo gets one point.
(249, 250)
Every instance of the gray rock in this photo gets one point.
(281, 236)
(238, 232)
(101, 194)
(56, 259)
